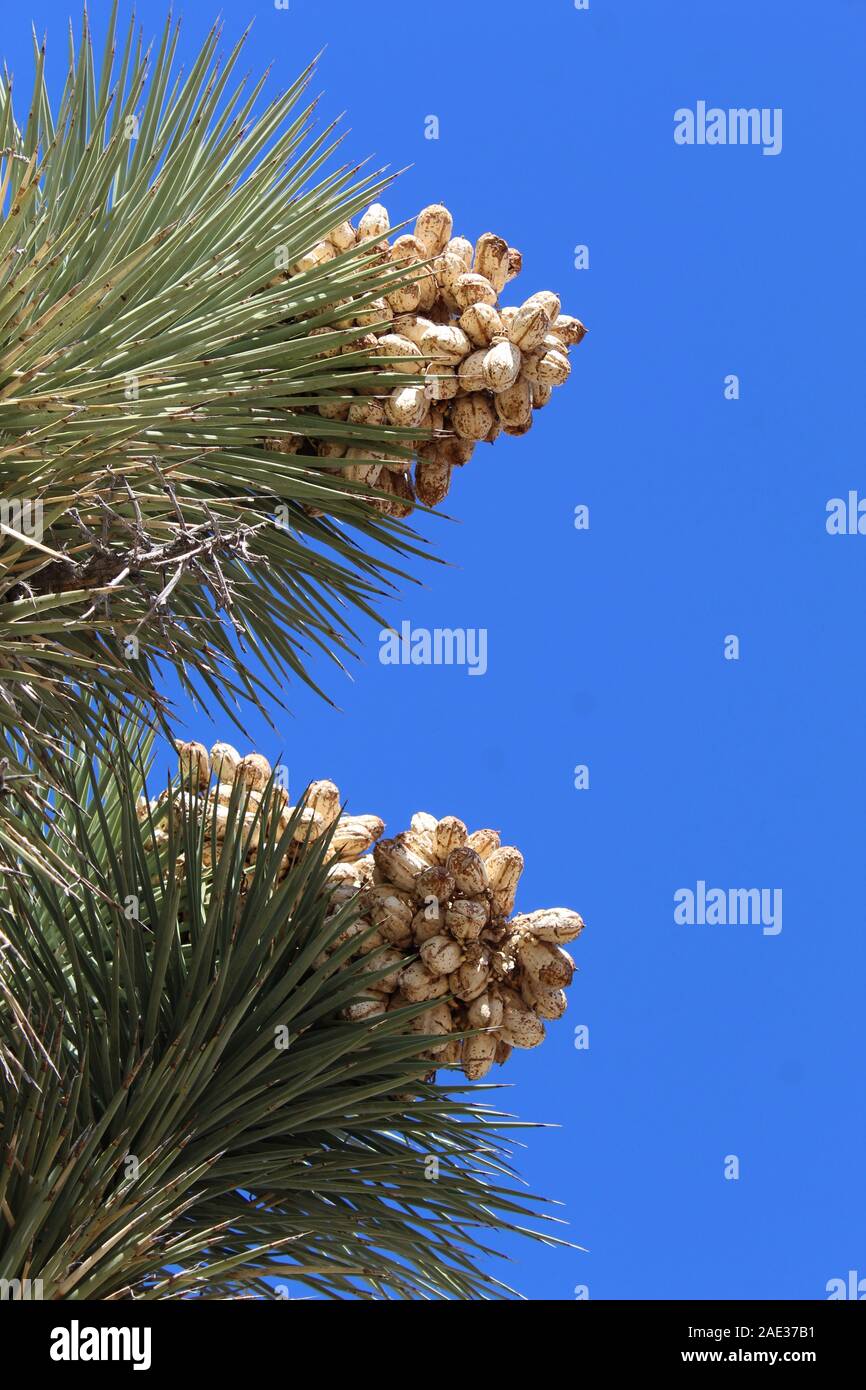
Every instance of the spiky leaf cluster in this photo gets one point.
(184, 1112)
(155, 350)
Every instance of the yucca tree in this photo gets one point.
(184, 1110)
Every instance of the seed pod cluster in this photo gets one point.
(435, 915)
(487, 366)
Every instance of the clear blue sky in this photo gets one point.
(707, 518)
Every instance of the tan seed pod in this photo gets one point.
(472, 416)
(391, 910)
(514, 406)
(375, 223)
(482, 900)
(450, 833)
(363, 345)
(470, 288)
(334, 410)
(461, 248)
(378, 959)
(362, 1009)
(440, 382)
(548, 1004)
(550, 301)
(502, 901)
(193, 763)
(503, 1051)
(515, 263)
(466, 919)
(491, 260)
(447, 449)
(317, 255)
(446, 344)
(351, 837)
(405, 299)
(253, 771)
(340, 872)
(395, 346)
(451, 1053)
(428, 290)
(484, 842)
(424, 927)
(224, 760)
(419, 843)
(374, 825)
(330, 449)
(367, 411)
(310, 825)
(330, 349)
(423, 822)
(343, 237)
(408, 250)
(324, 797)
(554, 924)
(549, 368)
(347, 320)
(435, 1022)
(568, 329)
(468, 871)
(341, 894)
(541, 396)
(471, 979)
(221, 795)
(520, 1026)
(285, 444)
(548, 965)
(553, 343)
(433, 228)
(434, 882)
(372, 941)
(448, 269)
(398, 862)
(441, 955)
(417, 984)
(519, 429)
(470, 373)
(458, 451)
(482, 324)
(412, 326)
(478, 1055)
(144, 808)
(432, 482)
(529, 326)
(368, 473)
(504, 867)
(364, 867)
(486, 1011)
(406, 406)
(501, 366)
(376, 312)
(399, 485)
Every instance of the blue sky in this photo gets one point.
(606, 646)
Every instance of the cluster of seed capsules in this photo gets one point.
(486, 367)
(435, 916)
